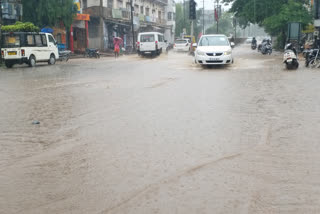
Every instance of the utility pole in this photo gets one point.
(217, 16)
(0, 29)
(203, 19)
(132, 26)
(184, 14)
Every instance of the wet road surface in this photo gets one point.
(140, 136)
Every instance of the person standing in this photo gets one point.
(116, 44)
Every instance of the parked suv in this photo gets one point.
(151, 43)
(29, 48)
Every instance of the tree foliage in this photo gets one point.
(49, 12)
(225, 25)
(20, 27)
(273, 15)
(183, 21)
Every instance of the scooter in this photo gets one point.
(290, 57)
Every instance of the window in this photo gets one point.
(181, 41)
(169, 16)
(11, 41)
(147, 12)
(141, 9)
(85, 4)
(159, 14)
(161, 38)
(38, 40)
(214, 41)
(136, 8)
(51, 39)
(147, 38)
(44, 40)
(30, 40)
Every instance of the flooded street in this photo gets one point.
(141, 135)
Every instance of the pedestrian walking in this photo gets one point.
(116, 42)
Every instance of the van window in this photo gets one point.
(11, 41)
(147, 38)
(30, 40)
(51, 39)
(38, 40)
(44, 40)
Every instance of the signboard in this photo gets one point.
(77, 2)
(116, 14)
(294, 31)
(83, 17)
(148, 19)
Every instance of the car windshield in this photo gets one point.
(214, 41)
(181, 41)
(11, 41)
(147, 38)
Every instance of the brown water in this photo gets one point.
(141, 135)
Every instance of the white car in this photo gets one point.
(29, 48)
(214, 50)
(151, 43)
(182, 45)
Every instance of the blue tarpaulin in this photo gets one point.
(47, 30)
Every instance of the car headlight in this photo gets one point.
(227, 53)
(201, 53)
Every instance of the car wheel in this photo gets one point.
(32, 61)
(52, 60)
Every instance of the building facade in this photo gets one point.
(112, 18)
(11, 11)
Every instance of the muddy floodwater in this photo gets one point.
(160, 135)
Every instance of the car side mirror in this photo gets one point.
(232, 44)
(194, 45)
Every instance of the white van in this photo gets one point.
(151, 43)
(29, 48)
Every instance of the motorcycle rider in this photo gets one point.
(254, 41)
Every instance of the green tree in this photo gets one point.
(49, 12)
(273, 15)
(182, 20)
(225, 25)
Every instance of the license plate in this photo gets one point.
(12, 53)
(289, 60)
(214, 59)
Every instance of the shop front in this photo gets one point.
(79, 35)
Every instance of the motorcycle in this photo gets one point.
(253, 46)
(290, 57)
(266, 49)
(312, 58)
(91, 52)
